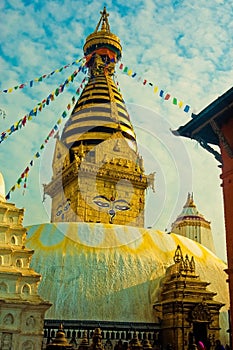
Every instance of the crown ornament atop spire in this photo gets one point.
(103, 38)
(104, 19)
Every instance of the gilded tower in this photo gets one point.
(98, 175)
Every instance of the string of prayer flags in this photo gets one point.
(2, 113)
(45, 102)
(165, 96)
(22, 180)
(42, 77)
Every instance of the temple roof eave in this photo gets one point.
(200, 125)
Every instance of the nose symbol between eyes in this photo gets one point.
(112, 213)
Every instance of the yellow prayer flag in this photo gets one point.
(130, 72)
(29, 117)
(180, 104)
(10, 90)
(156, 88)
(18, 185)
(59, 121)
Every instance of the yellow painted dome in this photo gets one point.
(110, 272)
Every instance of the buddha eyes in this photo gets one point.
(104, 202)
(65, 208)
(101, 204)
(122, 207)
(67, 205)
(59, 212)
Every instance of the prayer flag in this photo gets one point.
(167, 97)
(186, 108)
(7, 196)
(174, 101)
(161, 93)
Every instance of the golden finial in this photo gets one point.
(190, 201)
(104, 19)
(178, 255)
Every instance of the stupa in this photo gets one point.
(99, 264)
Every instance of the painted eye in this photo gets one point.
(66, 207)
(121, 204)
(101, 204)
(59, 212)
(122, 207)
(101, 201)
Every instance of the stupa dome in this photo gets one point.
(111, 272)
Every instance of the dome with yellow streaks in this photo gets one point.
(112, 272)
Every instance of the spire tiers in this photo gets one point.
(99, 113)
(103, 38)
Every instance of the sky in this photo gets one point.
(185, 48)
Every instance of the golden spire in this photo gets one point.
(100, 110)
